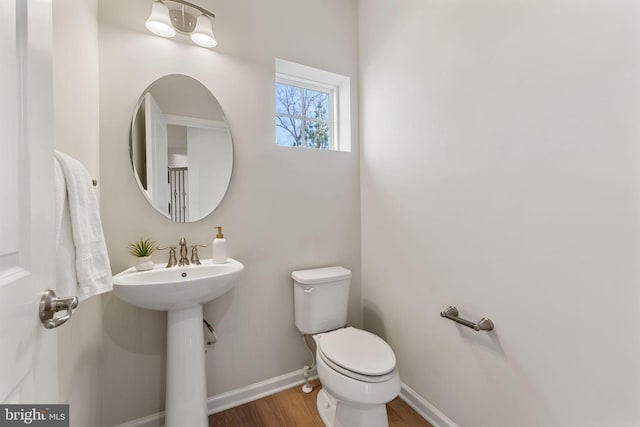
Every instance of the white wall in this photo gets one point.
(75, 94)
(285, 209)
(501, 174)
(75, 72)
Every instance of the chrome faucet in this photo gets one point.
(184, 260)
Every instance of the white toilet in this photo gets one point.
(357, 369)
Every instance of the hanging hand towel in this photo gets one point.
(81, 251)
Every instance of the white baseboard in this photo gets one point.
(256, 391)
(153, 420)
(425, 409)
(233, 398)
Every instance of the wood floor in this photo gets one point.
(293, 408)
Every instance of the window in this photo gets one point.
(303, 115)
(312, 108)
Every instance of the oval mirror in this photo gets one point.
(181, 148)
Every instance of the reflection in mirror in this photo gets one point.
(181, 148)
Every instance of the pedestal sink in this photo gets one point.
(181, 291)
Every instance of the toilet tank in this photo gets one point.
(321, 298)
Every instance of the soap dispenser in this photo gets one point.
(219, 248)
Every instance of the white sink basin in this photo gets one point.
(175, 288)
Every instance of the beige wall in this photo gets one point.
(75, 94)
(500, 154)
(285, 209)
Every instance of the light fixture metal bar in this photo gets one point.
(194, 6)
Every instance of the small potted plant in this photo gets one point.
(142, 250)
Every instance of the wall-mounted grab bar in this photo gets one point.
(485, 324)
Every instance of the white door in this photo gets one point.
(157, 154)
(28, 353)
(210, 157)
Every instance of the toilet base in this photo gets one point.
(326, 407)
(340, 414)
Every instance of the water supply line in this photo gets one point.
(306, 388)
(214, 338)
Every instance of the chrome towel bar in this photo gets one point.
(485, 324)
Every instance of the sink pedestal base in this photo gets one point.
(186, 396)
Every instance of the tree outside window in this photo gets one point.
(303, 117)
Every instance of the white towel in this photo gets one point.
(66, 279)
(81, 251)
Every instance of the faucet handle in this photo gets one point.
(172, 255)
(194, 254)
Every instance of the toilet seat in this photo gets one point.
(358, 354)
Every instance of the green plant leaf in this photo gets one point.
(142, 247)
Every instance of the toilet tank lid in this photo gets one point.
(321, 275)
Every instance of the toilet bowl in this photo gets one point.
(359, 376)
(357, 369)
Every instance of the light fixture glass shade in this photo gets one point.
(159, 22)
(202, 35)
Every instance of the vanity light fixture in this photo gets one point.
(169, 17)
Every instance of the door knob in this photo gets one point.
(51, 304)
